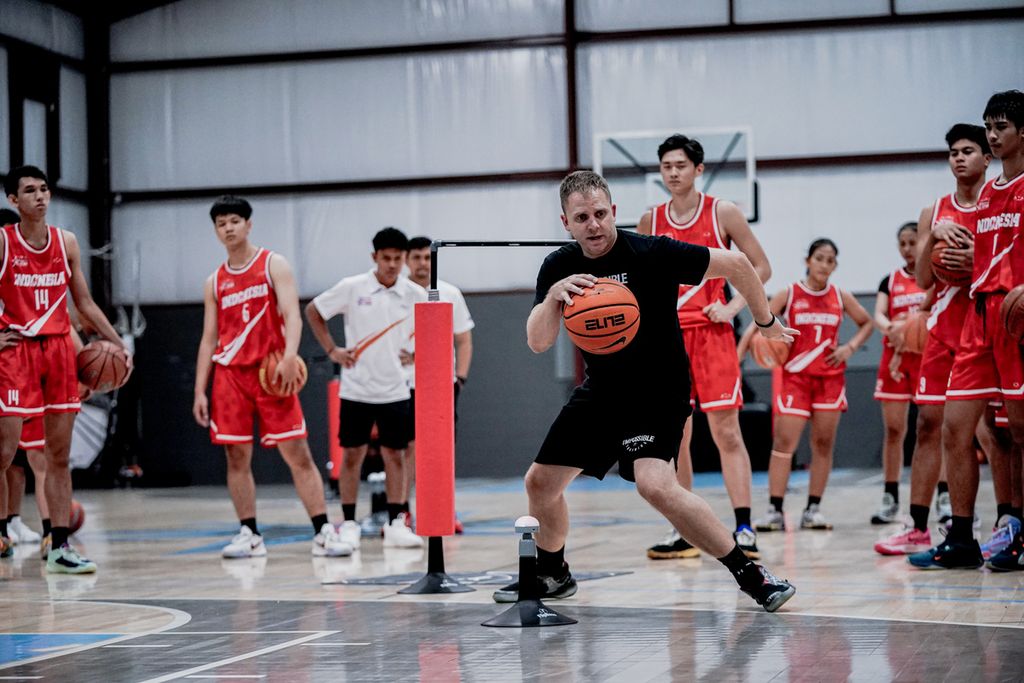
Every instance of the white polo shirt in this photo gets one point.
(378, 324)
(462, 321)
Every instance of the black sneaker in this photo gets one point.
(550, 588)
(1010, 558)
(773, 591)
(672, 547)
(746, 539)
(949, 555)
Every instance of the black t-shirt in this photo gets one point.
(653, 268)
(883, 286)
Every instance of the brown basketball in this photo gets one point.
(956, 278)
(768, 353)
(1012, 313)
(915, 332)
(270, 384)
(76, 518)
(604, 319)
(101, 366)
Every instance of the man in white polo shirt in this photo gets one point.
(462, 325)
(378, 307)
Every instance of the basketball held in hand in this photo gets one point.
(102, 366)
(769, 353)
(604, 319)
(1012, 313)
(952, 277)
(915, 332)
(269, 380)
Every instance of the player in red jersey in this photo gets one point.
(252, 309)
(988, 365)
(898, 297)
(813, 383)
(969, 157)
(38, 375)
(706, 321)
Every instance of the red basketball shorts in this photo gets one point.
(936, 364)
(39, 375)
(32, 436)
(801, 395)
(714, 367)
(889, 389)
(238, 399)
(988, 363)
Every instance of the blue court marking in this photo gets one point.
(15, 647)
(613, 482)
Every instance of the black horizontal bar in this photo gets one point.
(71, 62)
(501, 243)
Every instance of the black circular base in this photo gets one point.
(529, 614)
(436, 582)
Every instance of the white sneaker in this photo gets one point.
(887, 512)
(773, 520)
(328, 543)
(943, 508)
(398, 535)
(350, 533)
(20, 533)
(814, 519)
(245, 544)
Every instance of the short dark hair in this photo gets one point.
(390, 238)
(420, 242)
(966, 131)
(694, 150)
(230, 204)
(1008, 104)
(14, 177)
(819, 243)
(8, 217)
(582, 181)
(909, 225)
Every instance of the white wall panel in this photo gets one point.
(34, 142)
(74, 217)
(74, 152)
(615, 15)
(756, 11)
(328, 237)
(5, 116)
(205, 28)
(865, 90)
(43, 25)
(918, 6)
(444, 114)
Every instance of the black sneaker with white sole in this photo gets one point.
(550, 588)
(772, 593)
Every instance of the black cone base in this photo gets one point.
(436, 582)
(529, 614)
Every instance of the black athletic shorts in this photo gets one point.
(20, 459)
(358, 418)
(594, 431)
(412, 411)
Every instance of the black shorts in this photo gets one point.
(20, 459)
(358, 418)
(412, 411)
(594, 431)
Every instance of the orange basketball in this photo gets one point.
(76, 518)
(1012, 313)
(915, 332)
(768, 353)
(604, 319)
(956, 278)
(101, 366)
(267, 380)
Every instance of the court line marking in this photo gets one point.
(238, 658)
(141, 645)
(228, 676)
(179, 619)
(20, 678)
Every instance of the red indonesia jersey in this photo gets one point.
(34, 284)
(904, 295)
(950, 307)
(817, 315)
(703, 230)
(998, 225)
(249, 325)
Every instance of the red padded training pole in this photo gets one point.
(435, 420)
(333, 425)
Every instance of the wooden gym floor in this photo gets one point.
(164, 606)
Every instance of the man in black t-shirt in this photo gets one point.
(629, 410)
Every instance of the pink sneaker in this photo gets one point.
(906, 542)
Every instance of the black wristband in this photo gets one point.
(766, 325)
(460, 380)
